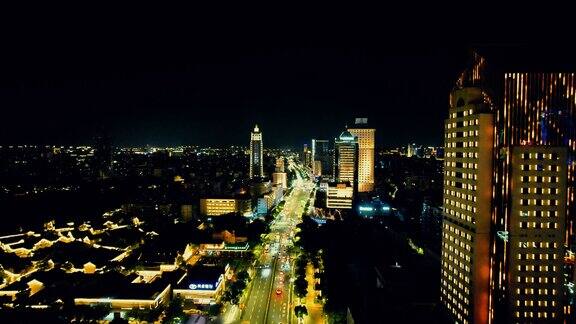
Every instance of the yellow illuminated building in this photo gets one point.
(280, 164)
(346, 158)
(509, 171)
(217, 206)
(161, 298)
(317, 168)
(366, 143)
(279, 178)
(537, 219)
(465, 269)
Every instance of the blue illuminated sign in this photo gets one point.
(201, 287)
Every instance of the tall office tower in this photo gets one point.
(279, 164)
(540, 109)
(256, 154)
(539, 112)
(346, 159)
(321, 153)
(465, 266)
(536, 237)
(509, 196)
(366, 142)
(307, 156)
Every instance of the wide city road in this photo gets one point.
(269, 299)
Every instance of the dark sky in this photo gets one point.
(207, 82)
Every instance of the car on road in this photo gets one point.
(278, 291)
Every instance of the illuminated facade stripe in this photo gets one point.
(540, 109)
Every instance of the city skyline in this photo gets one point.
(229, 171)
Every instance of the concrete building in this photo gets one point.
(366, 145)
(269, 200)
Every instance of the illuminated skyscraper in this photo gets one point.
(535, 204)
(321, 155)
(536, 233)
(465, 267)
(307, 156)
(366, 143)
(509, 197)
(256, 154)
(346, 159)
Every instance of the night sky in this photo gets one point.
(208, 83)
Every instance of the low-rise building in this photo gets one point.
(339, 195)
(124, 291)
(223, 206)
(217, 206)
(202, 284)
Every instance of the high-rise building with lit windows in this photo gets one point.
(468, 170)
(509, 209)
(540, 109)
(256, 154)
(366, 143)
(307, 156)
(536, 236)
(322, 158)
(538, 113)
(346, 159)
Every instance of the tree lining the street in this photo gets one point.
(235, 288)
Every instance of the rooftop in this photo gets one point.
(201, 274)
